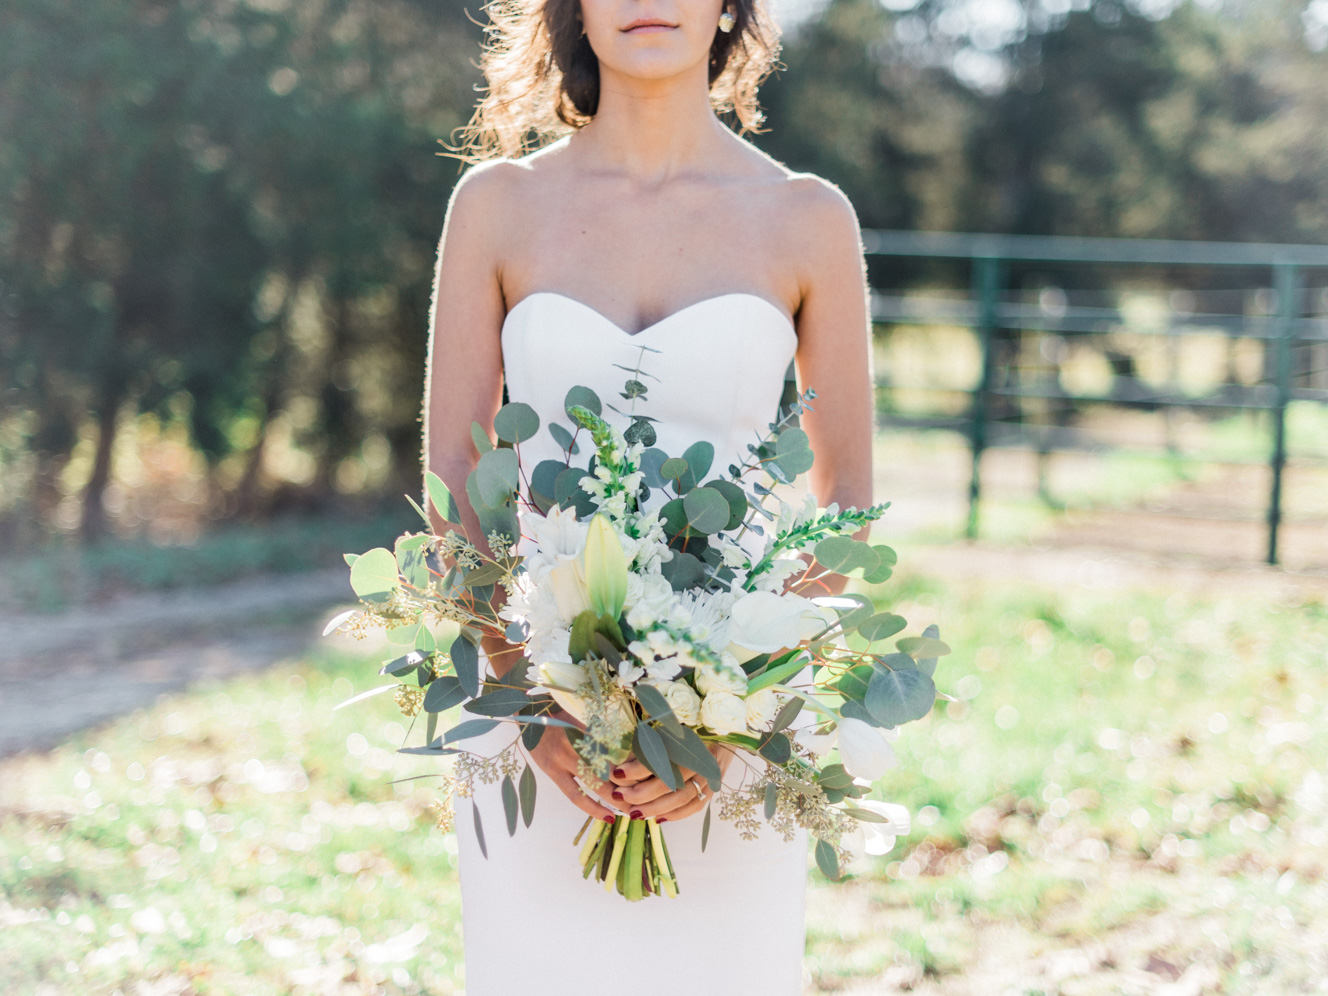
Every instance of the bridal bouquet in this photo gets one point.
(654, 634)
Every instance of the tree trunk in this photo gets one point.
(93, 526)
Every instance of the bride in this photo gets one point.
(640, 220)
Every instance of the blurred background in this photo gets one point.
(1098, 247)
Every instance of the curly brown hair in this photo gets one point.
(543, 77)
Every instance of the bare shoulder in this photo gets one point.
(818, 208)
(491, 193)
(485, 189)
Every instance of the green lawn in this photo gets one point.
(1126, 776)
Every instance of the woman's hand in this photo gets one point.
(557, 759)
(643, 795)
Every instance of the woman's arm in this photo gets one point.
(834, 348)
(463, 384)
(464, 372)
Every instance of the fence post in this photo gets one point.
(986, 288)
(1287, 280)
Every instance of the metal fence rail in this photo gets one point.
(986, 313)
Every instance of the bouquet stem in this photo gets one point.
(629, 855)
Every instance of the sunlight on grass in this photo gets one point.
(1121, 772)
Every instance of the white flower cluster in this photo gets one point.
(688, 644)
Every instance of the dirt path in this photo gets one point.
(114, 658)
(127, 652)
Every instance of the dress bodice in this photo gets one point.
(714, 370)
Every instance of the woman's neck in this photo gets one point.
(653, 130)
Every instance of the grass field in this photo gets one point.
(1128, 796)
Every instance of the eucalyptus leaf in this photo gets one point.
(881, 626)
(479, 830)
(402, 665)
(650, 751)
(526, 792)
(497, 476)
(565, 440)
(705, 830)
(583, 397)
(444, 693)
(417, 635)
(737, 499)
(651, 461)
(853, 709)
(842, 555)
(470, 728)
(852, 684)
(700, 456)
(673, 517)
(922, 646)
(776, 749)
(503, 702)
(516, 422)
(567, 485)
(865, 815)
(834, 776)
(674, 471)
(689, 751)
(640, 431)
(350, 558)
(683, 571)
(510, 804)
(794, 452)
(411, 564)
(887, 559)
(373, 576)
(827, 860)
(771, 800)
(531, 733)
(484, 574)
(466, 662)
(927, 665)
(544, 480)
(429, 751)
(787, 714)
(657, 707)
(895, 697)
(480, 438)
(707, 510)
(440, 496)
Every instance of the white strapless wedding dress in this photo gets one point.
(531, 923)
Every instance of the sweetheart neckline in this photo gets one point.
(653, 325)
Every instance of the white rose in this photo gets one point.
(864, 749)
(724, 713)
(762, 707)
(763, 622)
(682, 699)
(877, 838)
(721, 677)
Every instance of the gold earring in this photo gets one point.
(726, 22)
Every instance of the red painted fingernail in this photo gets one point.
(610, 819)
(662, 819)
(617, 795)
(635, 814)
(617, 772)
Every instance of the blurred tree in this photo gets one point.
(177, 177)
